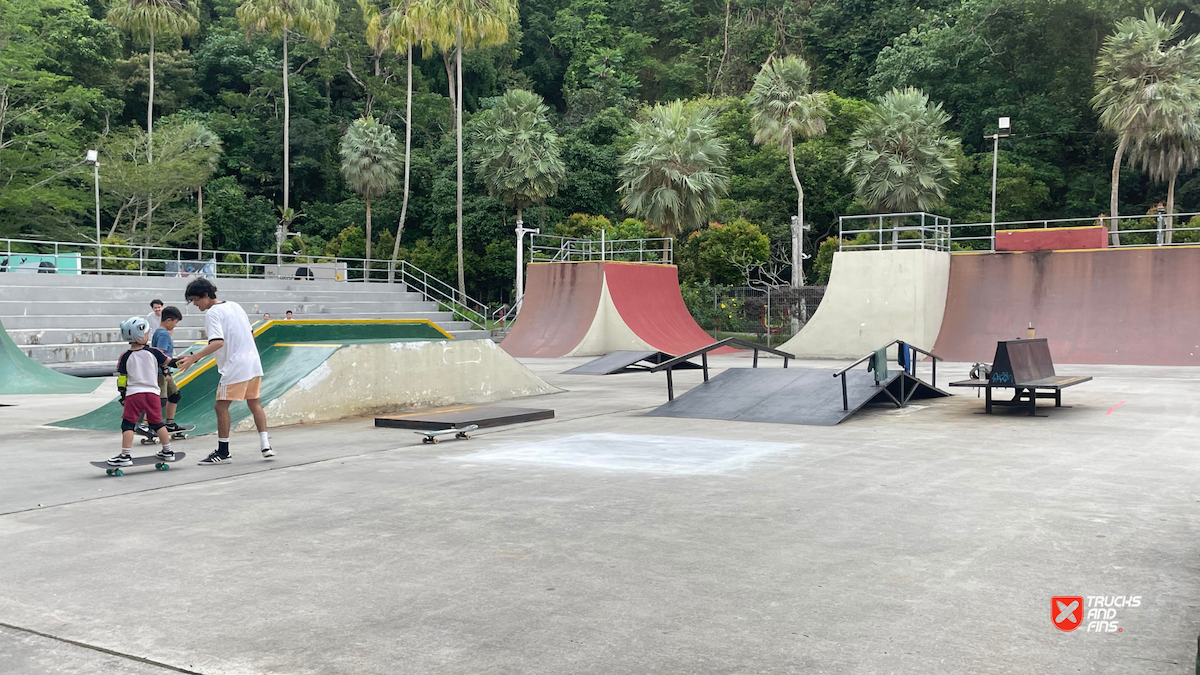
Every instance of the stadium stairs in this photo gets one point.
(70, 322)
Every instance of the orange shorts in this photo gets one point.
(239, 391)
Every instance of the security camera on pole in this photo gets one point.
(521, 232)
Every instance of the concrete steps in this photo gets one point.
(73, 319)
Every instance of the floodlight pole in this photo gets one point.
(93, 158)
(521, 232)
(1002, 132)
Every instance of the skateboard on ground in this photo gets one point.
(462, 434)
(159, 463)
(150, 437)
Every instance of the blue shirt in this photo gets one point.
(162, 340)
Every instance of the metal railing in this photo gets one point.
(894, 231)
(911, 370)
(928, 231)
(550, 248)
(40, 256)
(1148, 229)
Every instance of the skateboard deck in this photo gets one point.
(159, 464)
(149, 437)
(462, 434)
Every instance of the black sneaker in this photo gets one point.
(173, 428)
(122, 459)
(216, 458)
(267, 452)
(165, 454)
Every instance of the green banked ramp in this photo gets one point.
(21, 375)
(289, 350)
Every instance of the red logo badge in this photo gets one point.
(1066, 611)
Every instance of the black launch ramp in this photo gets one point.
(791, 396)
(626, 362)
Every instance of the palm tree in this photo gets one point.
(200, 137)
(1143, 83)
(900, 157)
(1163, 154)
(784, 108)
(455, 25)
(675, 172)
(369, 164)
(516, 152)
(316, 20)
(144, 19)
(398, 29)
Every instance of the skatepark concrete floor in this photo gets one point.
(922, 540)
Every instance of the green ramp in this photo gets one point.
(20, 374)
(289, 350)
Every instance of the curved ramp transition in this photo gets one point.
(595, 308)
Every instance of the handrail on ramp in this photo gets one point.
(842, 373)
(703, 354)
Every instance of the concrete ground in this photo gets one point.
(923, 540)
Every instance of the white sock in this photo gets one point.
(125, 451)
(167, 447)
(263, 441)
(222, 440)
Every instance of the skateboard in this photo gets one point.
(159, 464)
(149, 437)
(462, 434)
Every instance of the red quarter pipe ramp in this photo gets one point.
(1120, 306)
(594, 308)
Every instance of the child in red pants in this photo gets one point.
(137, 380)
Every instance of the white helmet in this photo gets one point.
(134, 329)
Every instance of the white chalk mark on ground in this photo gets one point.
(678, 455)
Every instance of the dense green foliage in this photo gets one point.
(71, 80)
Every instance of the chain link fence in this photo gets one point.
(763, 314)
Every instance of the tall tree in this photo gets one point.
(314, 19)
(783, 108)
(144, 19)
(1144, 82)
(457, 25)
(516, 153)
(901, 158)
(397, 29)
(675, 172)
(1164, 153)
(369, 164)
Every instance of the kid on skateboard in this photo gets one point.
(164, 341)
(231, 342)
(138, 370)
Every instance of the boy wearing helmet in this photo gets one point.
(138, 370)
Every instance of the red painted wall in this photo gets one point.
(1052, 239)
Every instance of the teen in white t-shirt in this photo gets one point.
(231, 342)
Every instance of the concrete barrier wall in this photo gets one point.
(875, 297)
(378, 378)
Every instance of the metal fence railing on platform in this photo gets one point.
(550, 248)
(927, 231)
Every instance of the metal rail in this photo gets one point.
(911, 371)
(551, 248)
(939, 234)
(703, 354)
(160, 261)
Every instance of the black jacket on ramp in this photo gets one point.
(790, 396)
